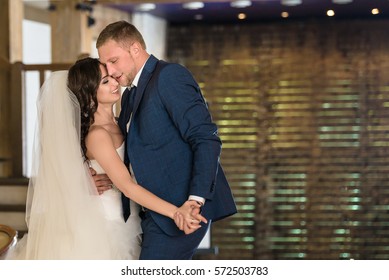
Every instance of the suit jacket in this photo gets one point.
(172, 143)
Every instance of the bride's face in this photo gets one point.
(109, 89)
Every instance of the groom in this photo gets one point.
(172, 145)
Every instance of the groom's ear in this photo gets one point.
(135, 48)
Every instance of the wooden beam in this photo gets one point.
(16, 120)
(16, 9)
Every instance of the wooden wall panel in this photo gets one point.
(302, 108)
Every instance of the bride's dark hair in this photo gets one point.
(83, 80)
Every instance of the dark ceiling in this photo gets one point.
(262, 10)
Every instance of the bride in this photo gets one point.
(66, 217)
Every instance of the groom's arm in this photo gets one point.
(102, 182)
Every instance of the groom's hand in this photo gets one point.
(102, 182)
(186, 226)
(188, 217)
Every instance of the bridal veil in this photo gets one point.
(64, 215)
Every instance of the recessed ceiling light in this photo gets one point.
(342, 1)
(284, 14)
(330, 13)
(242, 16)
(375, 11)
(240, 4)
(145, 7)
(193, 5)
(291, 2)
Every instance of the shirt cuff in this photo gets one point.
(197, 198)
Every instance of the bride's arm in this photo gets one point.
(100, 147)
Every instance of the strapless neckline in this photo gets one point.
(120, 147)
(97, 167)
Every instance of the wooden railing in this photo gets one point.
(18, 89)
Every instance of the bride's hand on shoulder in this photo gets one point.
(102, 182)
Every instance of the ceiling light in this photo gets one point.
(291, 2)
(330, 13)
(241, 16)
(145, 7)
(240, 4)
(342, 1)
(284, 14)
(193, 5)
(375, 11)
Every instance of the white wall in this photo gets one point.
(154, 31)
(36, 50)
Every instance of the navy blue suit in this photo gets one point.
(174, 150)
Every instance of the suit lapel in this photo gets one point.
(144, 78)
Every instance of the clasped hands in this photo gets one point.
(187, 217)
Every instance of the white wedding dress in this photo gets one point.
(128, 233)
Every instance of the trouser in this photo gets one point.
(157, 245)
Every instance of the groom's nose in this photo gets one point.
(110, 69)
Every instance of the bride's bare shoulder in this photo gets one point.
(97, 133)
